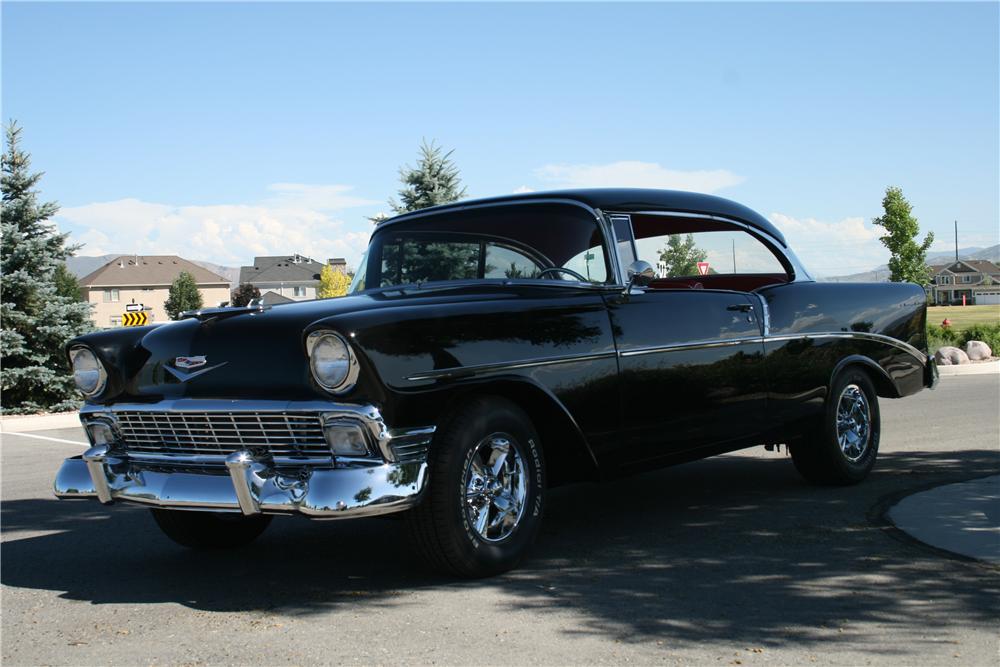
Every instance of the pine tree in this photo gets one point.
(681, 257)
(244, 294)
(908, 263)
(36, 319)
(332, 283)
(183, 295)
(435, 180)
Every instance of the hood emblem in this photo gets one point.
(184, 367)
(190, 362)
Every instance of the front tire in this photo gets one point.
(210, 530)
(485, 493)
(842, 448)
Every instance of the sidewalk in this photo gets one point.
(44, 422)
(963, 518)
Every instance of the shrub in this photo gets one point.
(988, 333)
(939, 336)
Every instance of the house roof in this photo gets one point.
(272, 298)
(281, 269)
(148, 270)
(622, 200)
(977, 266)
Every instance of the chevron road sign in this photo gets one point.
(136, 319)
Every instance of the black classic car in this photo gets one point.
(489, 350)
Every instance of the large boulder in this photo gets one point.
(950, 356)
(978, 350)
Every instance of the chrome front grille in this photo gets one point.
(280, 434)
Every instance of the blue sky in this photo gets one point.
(221, 131)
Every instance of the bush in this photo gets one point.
(988, 333)
(939, 336)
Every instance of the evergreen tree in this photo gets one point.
(908, 263)
(332, 283)
(435, 180)
(36, 319)
(681, 256)
(183, 295)
(66, 283)
(244, 294)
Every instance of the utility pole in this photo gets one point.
(956, 240)
(734, 255)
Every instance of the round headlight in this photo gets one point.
(88, 372)
(332, 363)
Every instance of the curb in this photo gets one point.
(982, 368)
(28, 423)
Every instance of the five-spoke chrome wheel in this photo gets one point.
(853, 422)
(495, 487)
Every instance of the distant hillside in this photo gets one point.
(84, 265)
(880, 274)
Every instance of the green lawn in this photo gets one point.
(963, 317)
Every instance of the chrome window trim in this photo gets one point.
(459, 371)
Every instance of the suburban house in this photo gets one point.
(287, 277)
(146, 280)
(977, 280)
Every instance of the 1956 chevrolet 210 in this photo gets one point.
(487, 351)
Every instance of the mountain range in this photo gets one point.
(880, 274)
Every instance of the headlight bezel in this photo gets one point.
(350, 377)
(102, 373)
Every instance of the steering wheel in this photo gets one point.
(561, 269)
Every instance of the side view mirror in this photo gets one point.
(639, 273)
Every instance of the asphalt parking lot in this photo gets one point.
(732, 560)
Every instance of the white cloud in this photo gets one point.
(523, 190)
(833, 248)
(298, 218)
(635, 174)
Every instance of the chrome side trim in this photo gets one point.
(694, 345)
(765, 314)
(863, 335)
(460, 371)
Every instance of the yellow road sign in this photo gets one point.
(135, 319)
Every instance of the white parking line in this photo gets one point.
(45, 437)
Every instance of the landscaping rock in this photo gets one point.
(951, 356)
(978, 350)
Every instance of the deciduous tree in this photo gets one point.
(332, 283)
(681, 256)
(908, 263)
(184, 295)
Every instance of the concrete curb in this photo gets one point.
(28, 423)
(963, 518)
(982, 368)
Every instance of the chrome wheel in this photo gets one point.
(495, 487)
(853, 423)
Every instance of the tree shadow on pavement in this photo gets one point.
(734, 547)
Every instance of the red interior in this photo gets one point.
(729, 281)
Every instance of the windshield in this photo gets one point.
(514, 242)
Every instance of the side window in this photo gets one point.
(696, 254)
(408, 260)
(504, 262)
(623, 235)
(589, 264)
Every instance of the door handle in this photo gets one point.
(741, 307)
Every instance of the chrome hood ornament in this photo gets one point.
(190, 362)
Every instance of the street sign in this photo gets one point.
(133, 307)
(135, 319)
(702, 268)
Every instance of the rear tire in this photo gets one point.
(485, 493)
(210, 530)
(843, 446)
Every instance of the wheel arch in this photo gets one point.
(884, 385)
(568, 455)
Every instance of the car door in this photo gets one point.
(691, 370)
(691, 359)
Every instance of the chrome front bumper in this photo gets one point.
(251, 483)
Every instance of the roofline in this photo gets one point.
(225, 282)
(618, 200)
